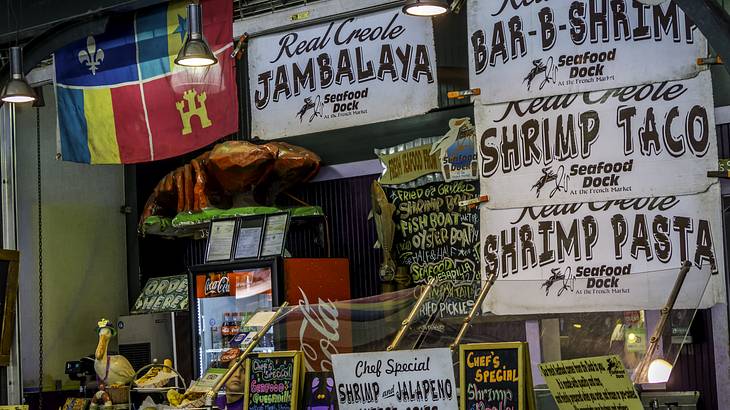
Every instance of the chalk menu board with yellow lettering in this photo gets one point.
(273, 381)
(496, 375)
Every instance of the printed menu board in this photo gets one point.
(275, 234)
(496, 375)
(404, 379)
(273, 381)
(595, 382)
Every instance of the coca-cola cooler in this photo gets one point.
(226, 296)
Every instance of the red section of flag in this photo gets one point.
(130, 124)
(211, 93)
(217, 22)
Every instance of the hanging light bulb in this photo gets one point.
(425, 8)
(659, 371)
(195, 51)
(17, 89)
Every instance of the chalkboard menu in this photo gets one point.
(273, 381)
(496, 375)
(435, 237)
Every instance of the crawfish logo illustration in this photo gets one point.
(561, 181)
(316, 105)
(556, 275)
(548, 70)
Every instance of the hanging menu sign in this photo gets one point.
(654, 139)
(613, 255)
(408, 165)
(273, 381)
(439, 239)
(496, 376)
(348, 72)
(405, 379)
(592, 382)
(528, 49)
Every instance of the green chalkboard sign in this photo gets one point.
(496, 375)
(166, 294)
(273, 381)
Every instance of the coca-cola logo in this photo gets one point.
(323, 319)
(217, 287)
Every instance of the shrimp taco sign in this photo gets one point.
(646, 140)
(343, 73)
(523, 49)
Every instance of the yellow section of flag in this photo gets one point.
(99, 113)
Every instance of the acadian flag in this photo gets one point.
(121, 99)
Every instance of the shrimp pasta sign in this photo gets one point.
(343, 73)
(604, 256)
(521, 49)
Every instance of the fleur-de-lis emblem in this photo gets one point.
(92, 56)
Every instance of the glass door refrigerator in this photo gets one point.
(225, 297)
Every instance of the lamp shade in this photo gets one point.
(195, 51)
(17, 89)
(659, 371)
(425, 8)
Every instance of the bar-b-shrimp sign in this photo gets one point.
(521, 49)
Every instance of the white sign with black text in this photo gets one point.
(520, 49)
(399, 380)
(604, 256)
(647, 140)
(347, 72)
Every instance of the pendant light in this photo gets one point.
(425, 8)
(17, 89)
(195, 51)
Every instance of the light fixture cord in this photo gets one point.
(40, 260)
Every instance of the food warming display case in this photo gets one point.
(226, 296)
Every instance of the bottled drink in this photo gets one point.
(235, 324)
(226, 330)
(215, 336)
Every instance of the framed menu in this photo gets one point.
(273, 381)
(496, 375)
(275, 232)
(220, 240)
(249, 237)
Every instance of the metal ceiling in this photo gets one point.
(248, 8)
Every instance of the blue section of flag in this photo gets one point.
(100, 60)
(154, 58)
(74, 133)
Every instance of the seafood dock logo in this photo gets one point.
(557, 180)
(316, 106)
(545, 72)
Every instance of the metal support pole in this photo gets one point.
(406, 324)
(474, 309)
(643, 367)
(211, 395)
(8, 204)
